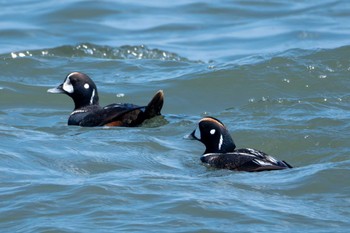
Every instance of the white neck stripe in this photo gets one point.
(221, 141)
(92, 96)
(78, 111)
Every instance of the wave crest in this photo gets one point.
(106, 52)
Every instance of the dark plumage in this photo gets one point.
(221, 151)
(88, 112)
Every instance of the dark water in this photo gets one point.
(275, 72)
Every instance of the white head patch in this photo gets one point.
(67, 86)
(86, 86)
(92, 96)
(212, 131)
(221, 141)
(197, 133)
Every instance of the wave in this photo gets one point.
(101, 51)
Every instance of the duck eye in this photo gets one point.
(212, 131)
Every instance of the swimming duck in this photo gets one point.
(88, 112)
(221, 151)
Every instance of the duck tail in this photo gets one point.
(288, 165)
(155, 105)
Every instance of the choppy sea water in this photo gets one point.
(276, 73)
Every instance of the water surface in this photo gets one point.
(276, 73)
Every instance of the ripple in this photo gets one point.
(103, 52)
(276, 76)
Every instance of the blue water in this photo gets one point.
(275, 72)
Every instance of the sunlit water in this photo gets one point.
(276, 73)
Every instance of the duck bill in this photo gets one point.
(56, 90)
(191, 136)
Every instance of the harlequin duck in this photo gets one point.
(88, 112)
(221, 151)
